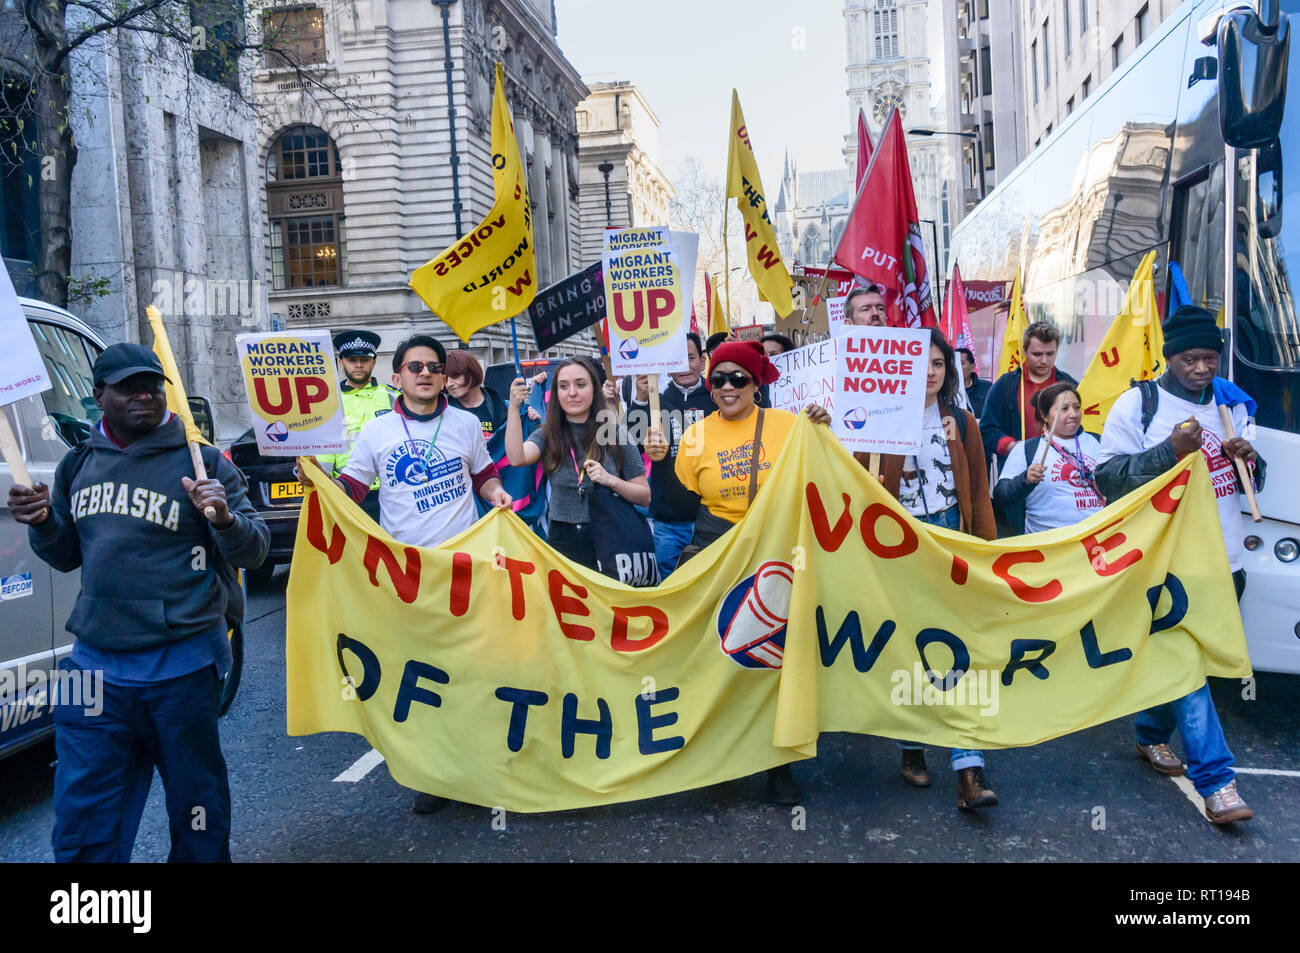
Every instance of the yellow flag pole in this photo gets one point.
(726, 264)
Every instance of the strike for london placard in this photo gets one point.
(293, 397)
(880, 388)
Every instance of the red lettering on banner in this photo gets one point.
(619, 640)
(263, 399)
(870, 517)
(406, 583)
(524, 281)
(1023, 590)
(750, 233)
(462, 574)
(960, 570)
(316, 531)
(767, 258)
(1110, 358)
(1097, 549)
(518, 568)
(1164, 500)
(828, 538)
(311, 390)
(562, 604)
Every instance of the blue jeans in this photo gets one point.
(962, 758)
(670, 540)
(1209, 762)
(106, 765)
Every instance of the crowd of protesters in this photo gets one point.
(418, 460)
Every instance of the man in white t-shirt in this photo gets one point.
(1138, 444)
(429, 458)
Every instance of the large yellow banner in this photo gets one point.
(490, 273)
(493, 671)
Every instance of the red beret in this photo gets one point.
(749, 355)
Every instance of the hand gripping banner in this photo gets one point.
(493, 671)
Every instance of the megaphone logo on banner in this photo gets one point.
(277, 432)
(856, 418)
(752, 619)
(629, 348)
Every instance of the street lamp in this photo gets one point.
(606, 168)
(938, 269)
(979, 148)
(451, 110)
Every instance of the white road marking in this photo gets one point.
(1274, 771)
(1186, 787)
(361, 767)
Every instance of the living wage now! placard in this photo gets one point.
(649, 275)
(880, 388)
(293, 395)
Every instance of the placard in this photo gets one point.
(835, 314)
(807, 376)
(570, 305)
(293, 396)
(880, 388)
(645, 299)
(22, 371)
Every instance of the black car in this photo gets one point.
(275, 493)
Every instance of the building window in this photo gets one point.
(884, 22)
(982, 6)
(1065, 25)
(1048, 131)
(1087, 86)
(219, 24)
(1084, 14)
(20, 175)
(1069, 105)
(1033, 62)
(294, 37)
(1117, 53)
(988, 145)
(986, 71)
(1047, 62)
(304, 197)
(1140, 26)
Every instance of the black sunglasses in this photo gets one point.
(735, 379)
(417, 367)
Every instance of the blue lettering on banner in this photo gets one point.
(646, 723)
(16, 586)
(571, 725)
(410, 689)
(520, 699)
(1034, 666)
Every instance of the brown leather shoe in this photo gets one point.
(1162, 758)
(973, 790)
(914, 770)
(1225, 805)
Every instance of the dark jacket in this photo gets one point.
(969, 474)
(127, 521)
(978, 392)
(669, 500)
(1001, 416)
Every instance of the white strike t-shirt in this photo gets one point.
(414, 510)
(1065, 496)
(1123, 435)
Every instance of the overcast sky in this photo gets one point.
(786, 61)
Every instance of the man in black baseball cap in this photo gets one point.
(120, 361)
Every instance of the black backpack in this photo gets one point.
(226, 573)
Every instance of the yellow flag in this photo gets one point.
(490, 274)
(1014, 335)
(1131, 349)
(718, 323)
(745, 186)
(177, 402)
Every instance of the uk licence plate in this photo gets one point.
(286, 491)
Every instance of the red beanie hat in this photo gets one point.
(750, 356)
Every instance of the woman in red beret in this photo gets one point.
(718, 462)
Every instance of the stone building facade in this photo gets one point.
(810, 213)
(164, 205)
(618, 129)
(359, 189)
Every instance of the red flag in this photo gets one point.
(865, 148)
(882, 240)
(958, 319)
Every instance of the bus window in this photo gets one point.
(1197, 236)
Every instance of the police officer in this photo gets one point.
(364, 399)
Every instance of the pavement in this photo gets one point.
(1085, 797)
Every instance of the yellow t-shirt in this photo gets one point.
(713, 459)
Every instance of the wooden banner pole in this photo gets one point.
(1226, 416)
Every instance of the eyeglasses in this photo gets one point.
(735, 379)
(418, 367)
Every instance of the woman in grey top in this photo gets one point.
(578, 446)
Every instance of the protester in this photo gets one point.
(1062, 489)
(865, 307)
(714, 340)
(977, 388)
(427, 457)
(1150, 427)
(466, 391)
(150, 617)
(740, 430)
(672, 507)
(1005, 405)
(945, 484)
(579, 447)
(363, 398)
(775, 344)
